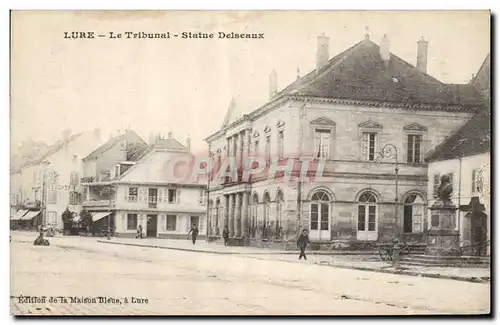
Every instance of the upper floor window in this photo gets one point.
(414, 142)
(322, 139)
(73, 181)
(370, 145)
(256, 147)
(52, 197)
(268, 147)
(74, 198)
(414, 148)
(201, 196)
(281, 140)
(132, 194)
(172, 195)
(477, 180)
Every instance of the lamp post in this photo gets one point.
(386, 152)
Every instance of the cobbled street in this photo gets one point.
(195, 283)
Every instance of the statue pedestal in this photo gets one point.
(442, 238)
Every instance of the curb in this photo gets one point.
(242, 253)
(358, 268)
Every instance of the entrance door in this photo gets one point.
(478, 233)
(319, 224)
(367, 218)
(152, 226)
(194, 220)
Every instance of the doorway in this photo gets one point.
(152, 225)
(194, 220)
(478, 233)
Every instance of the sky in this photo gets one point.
(185, 86)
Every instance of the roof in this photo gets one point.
(471, 139)
(52, 150)
(359, 73)
(169, 144)
(482, 80)
(111, 143)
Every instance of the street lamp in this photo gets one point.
(389, 151)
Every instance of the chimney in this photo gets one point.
(273, 84)
(422, 55)
(385, 53)
(322, 54)
(170, 135)
(298, 73)
(188, 143)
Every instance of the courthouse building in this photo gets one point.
(345, 111)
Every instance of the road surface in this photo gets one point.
(166, 282)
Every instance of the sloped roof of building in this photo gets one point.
(58, 145)
(111, 143)
(471, 139)
(360, 73)
(171, 143)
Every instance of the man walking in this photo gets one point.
(225, 235)
(194, 233)
(302, 244)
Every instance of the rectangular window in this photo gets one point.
(314, 217)
(133, 192)
(268, 148)
(435, 185)
(74, 198)
(201, 196)
(477, 180)
(172, 195)
(281, 140)
(131, 221)
(414, 148)
(153, 198)
(361, 218)
(171, 222)
(51, 217)
(52, 197)
(369, 139)
(73, 180)
(322, 139)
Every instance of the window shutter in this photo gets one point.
(126, 193)
(160, 195)
(364, 146)
(474, 180)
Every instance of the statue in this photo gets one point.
(445, 188)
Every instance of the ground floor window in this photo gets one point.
(171, 222)
(131, 221)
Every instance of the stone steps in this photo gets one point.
(445, 261)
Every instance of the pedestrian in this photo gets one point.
(225, 235)
(139, 232)
(194, 232)
(302, 244)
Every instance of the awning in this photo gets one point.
(19, 214)
(99, 215)
(30, 215)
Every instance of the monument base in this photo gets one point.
(443, 243)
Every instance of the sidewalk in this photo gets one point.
(367, 262)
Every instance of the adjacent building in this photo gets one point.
(48, 184)
(137, 190)
(343, 112)
(465, 156)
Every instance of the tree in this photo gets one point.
(67, 219)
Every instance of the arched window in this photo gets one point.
(267, 203)
(367, 217)
(279, 214)
(413, 213)
(253, 219)
(320, 216)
